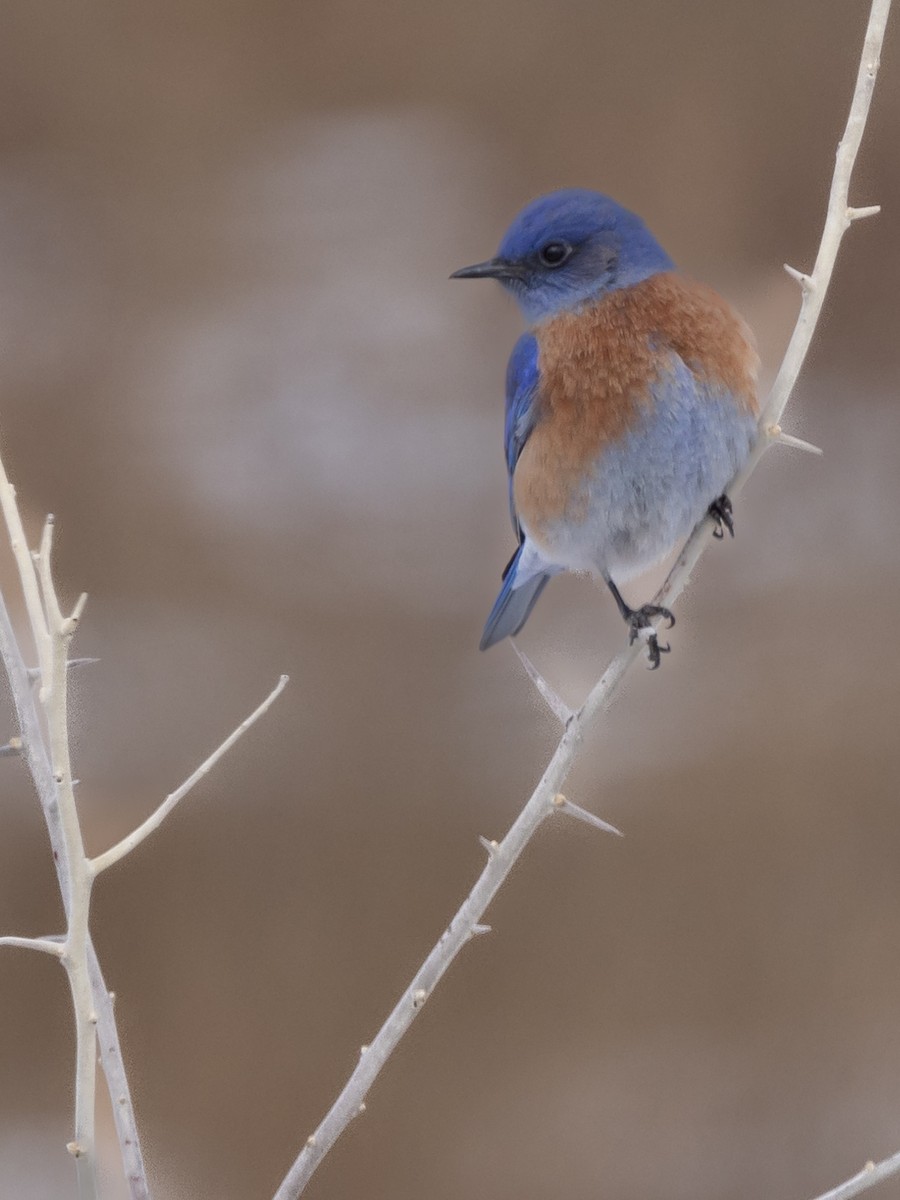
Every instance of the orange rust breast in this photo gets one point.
(597, 367)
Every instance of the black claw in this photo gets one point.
(654, 649)
(639, 619)
(720, 510)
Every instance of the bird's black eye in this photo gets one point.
(554, 254)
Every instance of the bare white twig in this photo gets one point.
(838, 216)
(42, 944)
(55, 632)
(868, 1177)
(502, 856)
(117, 1083)
(156, 818)
(92, 1001)
(35, 753)
(27, 575)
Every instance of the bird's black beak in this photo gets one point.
(494, 268)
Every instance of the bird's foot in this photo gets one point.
(639, 627)
(720, 510)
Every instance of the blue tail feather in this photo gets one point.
(513, 606)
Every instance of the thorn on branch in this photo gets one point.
(478, 930)
(776, 434)
(561, 804)
(555, 703)
(34, 673)
(490, 846)
(804, 281)
(859, 214)
(12, 749)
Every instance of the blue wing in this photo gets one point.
(524, 578)
(522, 376)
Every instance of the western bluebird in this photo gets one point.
(630, 403)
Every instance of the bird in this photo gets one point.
(631, 403)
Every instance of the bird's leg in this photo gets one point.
(638, 621)
(720, 510)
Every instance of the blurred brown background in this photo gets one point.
(271, 432)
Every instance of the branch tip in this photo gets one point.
(47, 537)
(71, 622)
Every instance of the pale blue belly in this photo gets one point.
(650, 488)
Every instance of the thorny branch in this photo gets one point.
(48, 758)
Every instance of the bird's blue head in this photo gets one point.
(568, 248)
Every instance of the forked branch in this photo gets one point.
(44, 743)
